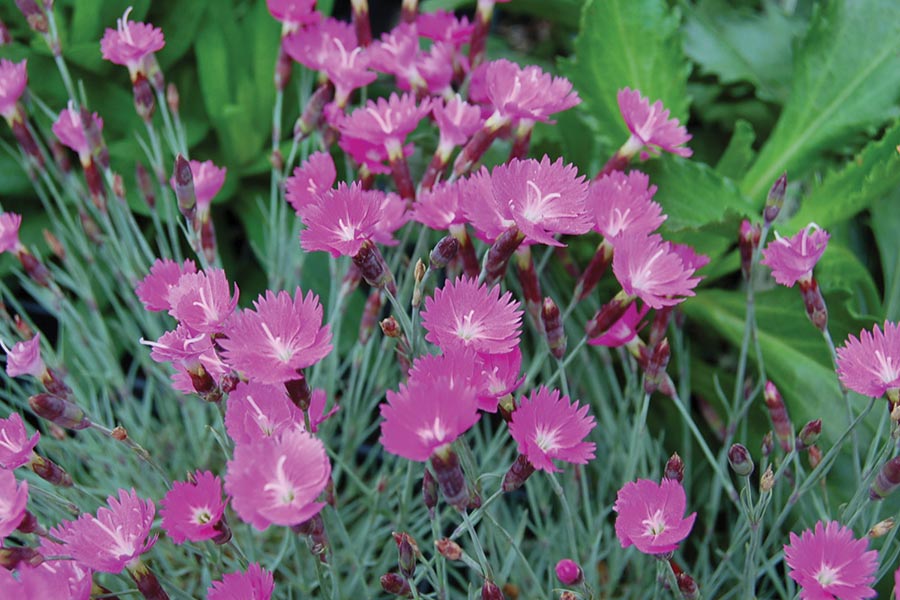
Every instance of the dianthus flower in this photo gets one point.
(524, 93)
(438, 208)
(830, 563)
(425, 415)
(12, 503)
(623, 330)
(489, 375)
(648, 267)
(548, 427)
(309, 181)
(115, 538)
(203, 301)
(650, 126)
(396, 54)
(277, 480)
(621, 203)
(385, 122)
(457, 121)
(9, 232)
(443, 26)
(24, 358)
(870, 364)
(16, 447)
(254, 584)
(192, 510)
(131, 43)
(340, 221)
(154, 289)
(500, 374)
(69, 129)
(207, 179)
(650, 515)
(256, 411)
(464, 314)
(792, 259)
(293, 13)
(13, 79)
(56, 579)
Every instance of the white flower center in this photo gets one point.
(466, 329)
(547, 439)
(201, 515)
(282, 486)
(827, 575)
(436, 432)
(536, 202)
(885, 368)
(641, 278)
(655, 524)
(282, 351)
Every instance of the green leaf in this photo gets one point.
(180, 25)
(737, 46)
(885, 225)
(846, 79)
(739, 153)
(628, 43)
(692, 194)
(874, 173)
(840, 269)
(213, 70)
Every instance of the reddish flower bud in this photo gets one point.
(184, 187)
(391, 328)
(62, 412)
(553, 328)
(568, 572)
(11, 558)
(34, 14)
(144, 101)
(784, 430)
(687, 586)
(814, 455)
(490, 591)
(499, 253)
(809, 434)
(449, 549)
(173, 99)
(299, 392)
(740, 460)
(49, 471)
(748, 241)
(407, 549)
(768, 444)
(451, 479)
(373, 268)
(674, 468)
(887, 480)
(775, 199)
(429, 492)
(608, 314)
(814, 303)
(394, 583)
(444, 251)
(518, 474)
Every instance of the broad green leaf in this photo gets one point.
(840, 269)
(180, 25)
(739, 153)
(692, 194)
(628, 43)
(886, 225)
(873, 173)
(266, 41)
(213, 70)
(737, 45)
(564, 12)
(846, 79)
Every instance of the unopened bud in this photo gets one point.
(887, 480)
(882, 528)
(119, 434)
(775, 199)
(748, 241)
(429, 491)
(30, 524)
(553, 328)
(299, 392)
(55, 245)
(11, 558)
(444, 251)
(518, 474)
(57, 410)
(499, 253)
(568, 572)
(394, 583)
(49, 471)
(809, 435)
(449, 549)
(144, 101)
(568, 595)
(674, 468)
(655, 371)
(373, 268)
(687, 586)
(781, 422)
(407, 549)
(767, 481)
(740, 460)
(814, 302)
(145, 185)
(450, 478)
(491, 591)
(608, 314)
(184, 187)
(118, 186)
(391, 328)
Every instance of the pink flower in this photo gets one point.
(396, 53)
(69, 129)
(650, 126)
(457, 121)
(623, 203)
(309, 181)
(425, 414)
(12, 503)
(830, 563)
(155, 288)
(438, 208)
(293, 12)
(208, 180)
(280, 336)
(15, 445)
(463, 369)
(870, 364)
(547, 427)
(568, 572)
(277, 480)
(649, 268)
(524, 93)
(255, 584)
(57, 579)
(256, 411)
(340, 221)
(203, 301)
(623, 330)
(385, 122)
(689, 256)
(181, 346)
(24, 358)
(464, 314)
(191, 510)
(318, 403)
(793, 259)
(115, 538)
(500, 374)
(13, 79)
(443, 26)
(9, 232)
(131, 43)
(650, 515)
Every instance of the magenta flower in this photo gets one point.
(547, 427)
(293, 12)
(154, 289)
(9, 232)
(256, 411)
(180, 346)
(13, 79)
(462, 368)
(623, 330)
(371, 155)
(130, 43)
(650, 515)
(830, 563)
(457, 121)
(396, 54)
(24, 358)
(650, 126)
(870, 364)
(69, 130)
(318, 409)
(464, 314)
(309, 181)
(12, 503)
(208, 180)
(568, 572)
(340, 221)
(203, 301)
(623, 204)
(443, 26)
(793, 259)
(438, 208)
(500, 376)
(648, 267)
(191, 510)
(115, 538)
(280, 336)
(426, 414)
(57, 579)
(385, 122)
(277, 480)
(16, 447)
(255, 584)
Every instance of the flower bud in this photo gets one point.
(299, 392)
(184, 187)
(814, 302)
(814, 455)
(373, 268)
(173, 99)
(740, 460)
(674, 468)
(748, 241)
(499, 253)
(444, 251)
(490, 591)
(144, 101)
(567, 595)
(55, 245)
(775, 199)
(887, 480)
(49, 471)
(394, 583)
(518, 473)
(429, 492)
(553, 328)
(767, 481)
(809, 434)
(34, 15)
(781, 422)
(687, 586)
(147, 582)
(406, 550)
(655, 371)
(568, 572)
(881, 528)
(450, 478)
(449, 549)
(56, 410)
(608, 314)
(223, 535)
(391, 328)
